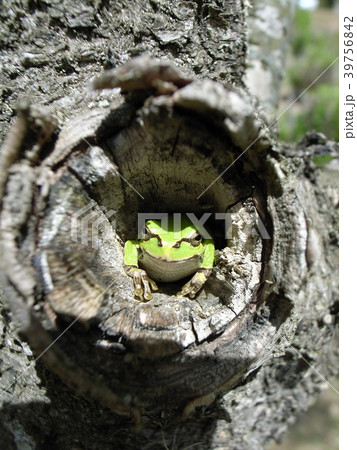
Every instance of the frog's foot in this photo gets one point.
(194, 285)
(142, 283)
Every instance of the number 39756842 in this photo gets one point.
(348, 47)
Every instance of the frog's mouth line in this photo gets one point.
(166, 258)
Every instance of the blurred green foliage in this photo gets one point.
(319, 112)
(322, 160)
(312, 51)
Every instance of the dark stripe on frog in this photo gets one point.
(159, 240)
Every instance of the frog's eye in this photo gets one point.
(196, 240)
(145, 233)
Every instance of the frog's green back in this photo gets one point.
(175, 230)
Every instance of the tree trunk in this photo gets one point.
(230, 368)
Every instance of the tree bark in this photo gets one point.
(231, 368)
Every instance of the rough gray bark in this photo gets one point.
(268, 32)
(230, 369)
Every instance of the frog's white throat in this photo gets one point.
(167, 270)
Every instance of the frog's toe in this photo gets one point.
(195, 284)
(142, 284)
(148, 285)
(147, 295)
(189, 289)
(153, 285)
(183, 292)
(138, 292)
(137, 284)
(193, 292)
(194, 288)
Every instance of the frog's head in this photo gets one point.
(171, 243)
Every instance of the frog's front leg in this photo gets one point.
(197, 281)
(142, 283)
(200, 277)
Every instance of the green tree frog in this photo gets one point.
(166, 254)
